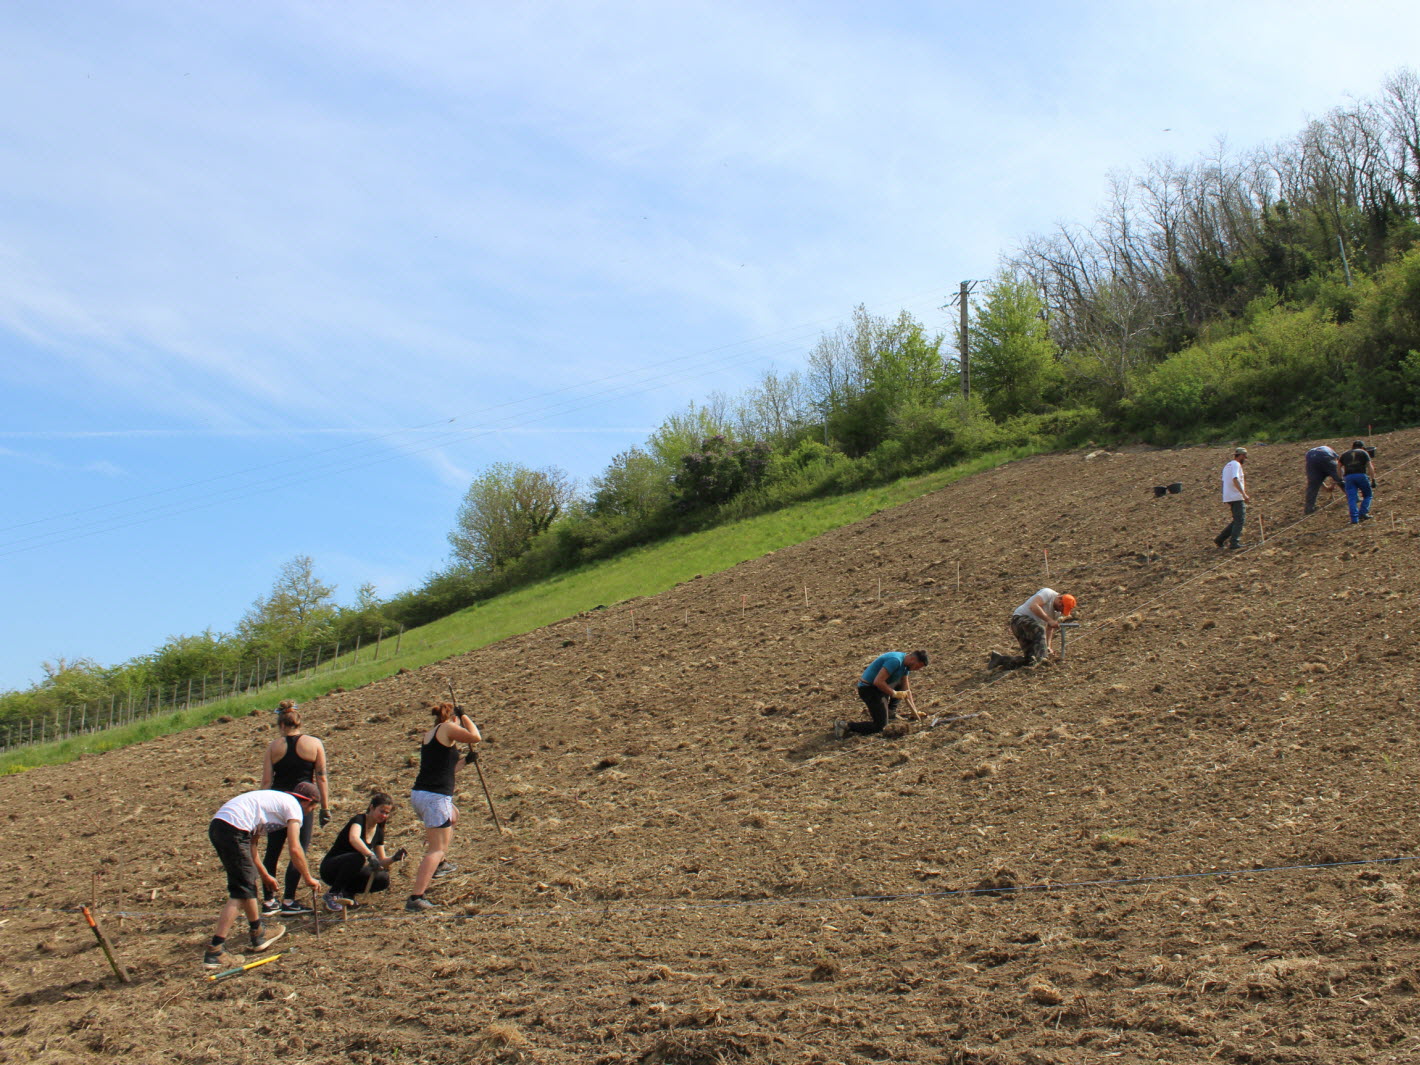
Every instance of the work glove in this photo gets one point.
(900, 695)
(472, 756)
(400, 855)
(374, 865)
(324, 817)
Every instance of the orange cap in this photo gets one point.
(1067, 605)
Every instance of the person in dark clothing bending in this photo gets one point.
(878, 688)
(1321, 466)
(1360, 468)
(356, 861)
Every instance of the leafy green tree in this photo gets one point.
(295, 615)
(364, 620)
(69, 683)
(858, 375)
(1013, 359)
(681, 433)
(634, 487)
(184, 657)
(504, 509)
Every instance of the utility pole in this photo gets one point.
(962, 295)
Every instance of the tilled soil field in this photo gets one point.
(1187, 842)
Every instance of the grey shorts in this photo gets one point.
(435, 810)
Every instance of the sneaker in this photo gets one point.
(335, 903)
(1364, 517)
(293, 909)
(261, 940)
(840, 729)
(217, 958)
(445, 868)
(417, 904)
(272, 905)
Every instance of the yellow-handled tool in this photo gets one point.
(249, 965)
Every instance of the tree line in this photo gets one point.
(1269, 293)
(293, 626)
(1273, 293)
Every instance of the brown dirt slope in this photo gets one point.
(689, 849)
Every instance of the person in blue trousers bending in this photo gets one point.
(1360, 469)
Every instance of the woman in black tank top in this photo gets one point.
(356, 862)
(291, 759)
(433, 791)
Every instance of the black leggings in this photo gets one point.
(879, 705)
(347, 874)
(276, 843)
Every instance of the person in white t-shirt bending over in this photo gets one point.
(235, 831)
(1235, 495)
(1034, 624)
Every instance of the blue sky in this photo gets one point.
(281, 278)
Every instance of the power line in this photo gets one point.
(364, 453)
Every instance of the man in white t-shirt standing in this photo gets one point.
(1235, 495)
(235, 831)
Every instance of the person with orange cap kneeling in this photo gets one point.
(1034, 624)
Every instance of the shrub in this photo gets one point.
(718, 472)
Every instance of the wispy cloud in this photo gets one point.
(101, 467)
(271, 214)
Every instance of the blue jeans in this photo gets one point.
(1358, 484)
(1232, 532)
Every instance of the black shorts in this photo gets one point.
(233, 847)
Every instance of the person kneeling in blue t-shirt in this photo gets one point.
(879, 689)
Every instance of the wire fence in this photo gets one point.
(153, 700)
